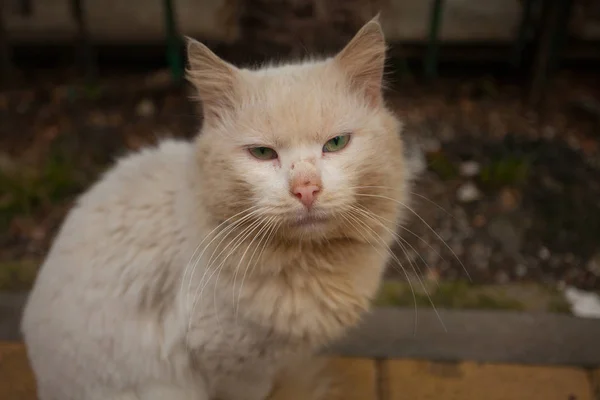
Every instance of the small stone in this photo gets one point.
(569, 258)
(583, 303)
(159, 79)
(593, 265)
(521, 270)
(479, 221)
(468, 193)
(502, 277)
(544, 254)
(432, 275)
(415, 161)
(458, 248)
(552, 184)
(98, 118)
(549, 132)
(506, 232)
(8, 166)
(145, 108)
(469, 169)
(431, 145)
(479, 255)
(573, 142)
(508, 199)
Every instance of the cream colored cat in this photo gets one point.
(208, 270)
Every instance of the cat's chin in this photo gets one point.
(309, 226)
(310, 221)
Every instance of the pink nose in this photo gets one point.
(306, 193)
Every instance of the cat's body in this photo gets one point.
(189, 271)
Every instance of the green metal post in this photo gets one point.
(174, 43)
(435, 21)
(554, 32)
(560, 35)
(6, 65)
(524, 26)
(86, 51)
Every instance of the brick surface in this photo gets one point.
(596, 383)
(402, 379)
(421, 380)
(16, 378)
(356, 378)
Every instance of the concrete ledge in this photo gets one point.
(481, 336)
(11, 307)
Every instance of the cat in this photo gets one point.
(210, 268)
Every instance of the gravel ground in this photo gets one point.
(506, 193)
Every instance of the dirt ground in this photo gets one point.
(507, 192)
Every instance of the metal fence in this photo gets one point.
(543, 26)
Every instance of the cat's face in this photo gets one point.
(308, 149)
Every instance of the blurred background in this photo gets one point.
(501, 100)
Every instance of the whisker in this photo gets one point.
(424, 222)
(235, 242)
(268, 236)
(256, 225)
(203, 282)
(434, 203)
(258, 235)
(187, 268)
(393, 256)
(367, 214)
(228, 229)
(371, 214)
(413, 193)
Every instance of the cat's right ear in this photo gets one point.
(215, 79)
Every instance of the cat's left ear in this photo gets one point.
(363, 60)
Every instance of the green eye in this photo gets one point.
(263, 153)
(336, 144)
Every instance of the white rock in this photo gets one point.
(544, 254)
(521, 270)
(468, 193)
(145, 108)
(594, 264)
(469, 169)
(431, 145)
(583, 304)
(415, 161)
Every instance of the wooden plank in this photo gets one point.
(421, 380)
(16, 378)
(356, 378)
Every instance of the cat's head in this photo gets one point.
(308, 148)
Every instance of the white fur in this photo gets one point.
(129, 303)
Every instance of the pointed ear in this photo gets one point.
(215, 79)
(363, 60)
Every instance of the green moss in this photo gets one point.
(456, 295)
(23, 190)
(508, 171)
(17, 275)
(442, 165)
(558, 303)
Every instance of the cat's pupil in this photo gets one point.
(336, 140)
